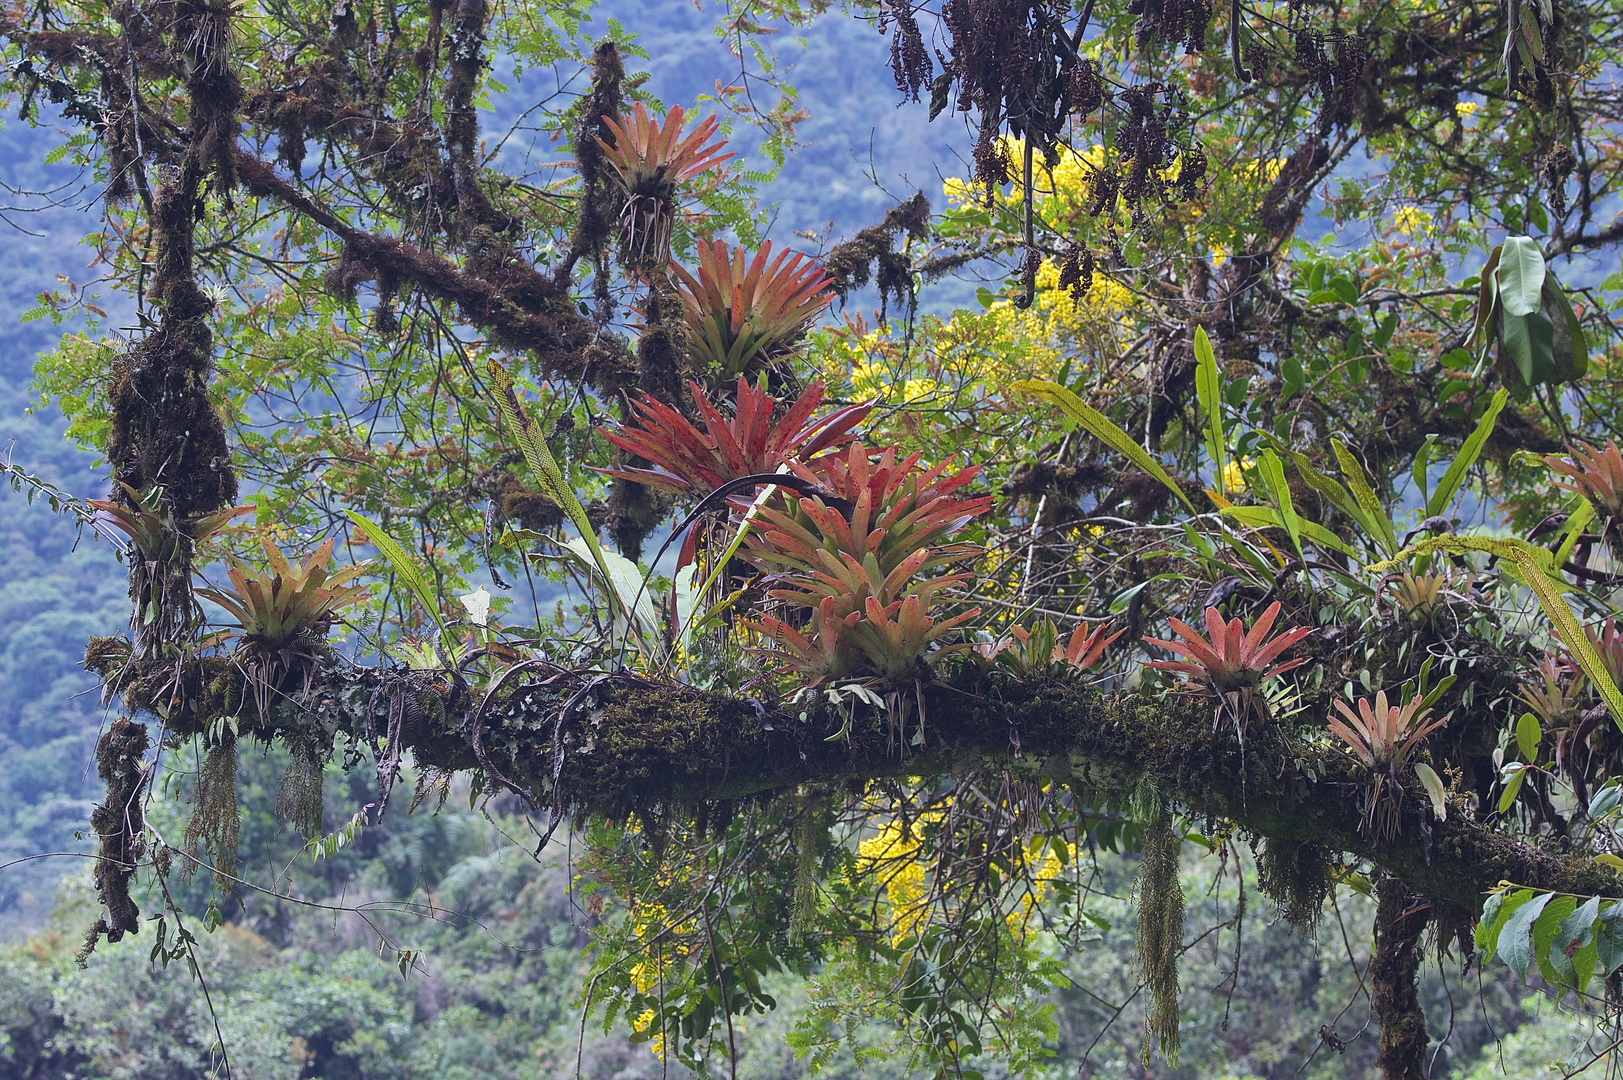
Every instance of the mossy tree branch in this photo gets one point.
(620, 746)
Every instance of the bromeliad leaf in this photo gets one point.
(1101, 427)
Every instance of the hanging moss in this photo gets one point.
(1160, 935)
(1297, 877)
(804, 913)
(215, 825)
(299, 799)
(1394, 971)
(118, 822)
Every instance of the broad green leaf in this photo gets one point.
(1499, 907)
(1516, 939)
(1101, 427)
(1449, 485)
(1528, 736)
(1513, 788)
(685, 600)
(1559, 309)
(1434, 789)
(626, 582)
(1605, 801)
(1520, 275)
(1571, 951)
(1383, 333)
(1544, 934)
(1420, 470)
(1609, 939)
(1209, 390)
(1530, 344)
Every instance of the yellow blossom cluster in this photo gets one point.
(895, 855)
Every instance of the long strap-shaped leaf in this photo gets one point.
(1571, 633)
(1364, 492)
(1455, 475)
(405, 569)
(1209, 390)
(1102, 428)
(1499, 547)
(1272, 471)
(1266, 516)
(533, 445)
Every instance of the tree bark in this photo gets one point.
(1400, 917)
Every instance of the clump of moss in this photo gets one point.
(1160, 934)
(1297, 878)
(215, 825)
(118, 821)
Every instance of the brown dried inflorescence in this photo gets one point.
(909, 61)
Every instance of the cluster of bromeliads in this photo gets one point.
(839, 561)
(838, 552)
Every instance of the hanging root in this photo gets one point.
(298, 796)
(118, 822)
(1160, 935)
(214, 823)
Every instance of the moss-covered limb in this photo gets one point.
(515, 304)
(631, 746)
(118, 823)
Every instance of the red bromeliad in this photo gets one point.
(1595, 474)
(1038, 650)
(741, 311)
(871, 615)
(1232, 663)
(1233, 658)
(652, 161)
(693, 463)
(1383, 735)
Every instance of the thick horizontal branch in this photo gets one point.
(617, 745)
